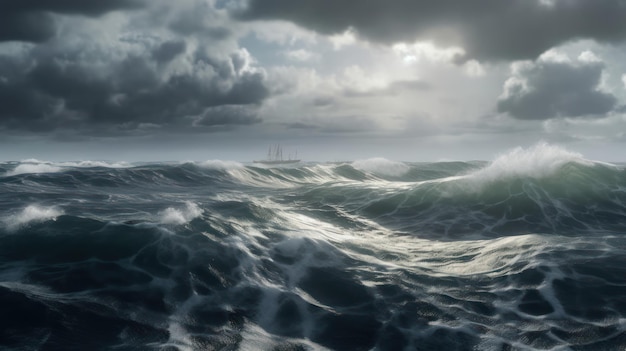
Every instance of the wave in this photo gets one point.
(29, 168)
(218, 283)
(539, 161)
(219, 255)
(90, 164)
(220, 164)
(382, 166)
(542, 188)
(35, 166)
(31, 214)
(180, 216)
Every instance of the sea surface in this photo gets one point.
(524, 252)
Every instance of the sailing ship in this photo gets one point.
(275, 157)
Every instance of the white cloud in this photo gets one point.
(282, 33)
(301, 55)
(355, 78)
(589, 57)
(416, 52)
(556, 56)
(344, 39)
(473, 68)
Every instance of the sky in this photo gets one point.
(409, 80)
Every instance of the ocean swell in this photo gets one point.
(525, 252)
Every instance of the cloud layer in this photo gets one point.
(486, 29)
(556, 87)
(257, 71)
(119, 74)
(34, 20)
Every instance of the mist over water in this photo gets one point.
(524, 252)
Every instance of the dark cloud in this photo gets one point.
(168, 50)
(229, 115)
(167, 67)
(42, 92)
(198, 19)
(486, 29)
(33, 20)
(546, 89)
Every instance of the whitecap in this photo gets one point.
(220, 165)
(31, 214)
(538, 161)
(89, 163)
(178, 216)
(29, 168)
(35, 166)
(381, 166)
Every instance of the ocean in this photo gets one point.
(524, 252)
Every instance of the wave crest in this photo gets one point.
(539, 161)
(220, 165)
(29, 168)
(178, 216)
(381, 166)
(31, 214)
(34, 166)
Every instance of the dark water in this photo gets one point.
(526, 252)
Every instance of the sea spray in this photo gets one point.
(541, 160)
(30, 214)
(28, 168)
(182, 215)
(382, 166)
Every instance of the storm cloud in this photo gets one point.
(34, 21)
(136, 75)
(486, 29)
(556, 87)
(248, 72)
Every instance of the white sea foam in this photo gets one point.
(538, 161)
(34, 166)
(220, 165)
(31, 214)
(27, 168)
(89, 163)
(381, 166)
(179, 216)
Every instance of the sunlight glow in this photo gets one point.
(413, 53)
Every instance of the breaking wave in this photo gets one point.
(540, 161)
(181, 215)
(31, 214)
(382, 166)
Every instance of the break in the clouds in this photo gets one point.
(485, 29)
(555, 86)
(116, 73)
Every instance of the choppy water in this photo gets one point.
(525, 252)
